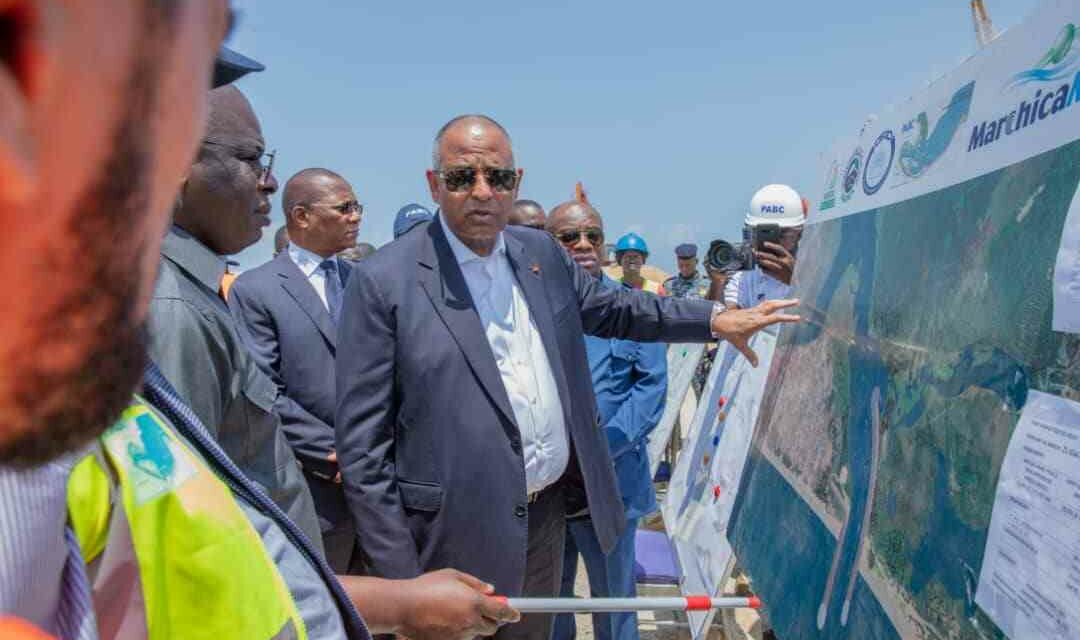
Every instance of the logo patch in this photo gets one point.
(153, 460)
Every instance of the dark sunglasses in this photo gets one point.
(464, 178)
(594, 236)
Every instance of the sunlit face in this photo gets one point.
(631, 263)
(479, 213)
(332, 221)
(581, 233)
(115, 128)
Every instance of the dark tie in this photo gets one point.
(329, 268)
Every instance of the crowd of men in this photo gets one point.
(323, 446)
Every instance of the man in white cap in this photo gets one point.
(779, 205)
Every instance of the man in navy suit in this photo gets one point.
(290, 308)
(466, 422)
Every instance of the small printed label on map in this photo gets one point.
(1030, 579)
(1067, 274)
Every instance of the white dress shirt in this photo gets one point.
(523, 363)
(751, 288)
(309, 262)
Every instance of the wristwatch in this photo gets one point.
(717, 309)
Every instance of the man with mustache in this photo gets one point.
(466, 422)
(145, 526)
(290, 308)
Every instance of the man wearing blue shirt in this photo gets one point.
(630, 381)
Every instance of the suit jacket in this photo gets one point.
(294, 341)
(428, 445)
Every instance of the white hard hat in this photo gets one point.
(776, 204)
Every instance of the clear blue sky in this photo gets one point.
(672, 114)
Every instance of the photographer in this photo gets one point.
(774, 228)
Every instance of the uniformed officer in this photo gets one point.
(688, 283)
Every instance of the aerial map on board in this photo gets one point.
(927, 284)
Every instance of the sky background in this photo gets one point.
(671, 114)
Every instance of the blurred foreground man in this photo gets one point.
(154, 533)
(630, 382)
(466, 418)
(290, 308)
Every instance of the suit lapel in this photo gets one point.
(530, 279)
(442, 280)
(298, 286)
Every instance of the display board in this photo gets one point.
(939, 279)
(682, 363)
(706, 476)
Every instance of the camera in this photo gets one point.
(728, 257)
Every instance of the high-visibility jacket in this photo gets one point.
(651, 286)
(169, 552)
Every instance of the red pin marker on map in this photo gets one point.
(723, 401)
(716, 491)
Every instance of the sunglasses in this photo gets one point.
(594, 236)
(464, 179)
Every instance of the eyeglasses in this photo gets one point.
(464, 179)
(263, 161)
(594, 236)
(345, 208)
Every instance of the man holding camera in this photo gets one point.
(775, 223)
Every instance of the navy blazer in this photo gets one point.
(295, 341)
(429, 449)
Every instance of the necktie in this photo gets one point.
(329, 268)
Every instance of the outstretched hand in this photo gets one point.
(737, 326)
(449, 604)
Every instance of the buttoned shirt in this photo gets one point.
(308, 262)
(751, 288)
(42, 577)
(522, 361)
(198, 345)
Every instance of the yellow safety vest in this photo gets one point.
(651, 286)
(169, 552)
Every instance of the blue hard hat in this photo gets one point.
(408, 217)
(632, 242)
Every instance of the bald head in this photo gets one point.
(474, 126)
(528, 213)
(573, 211)
(307, 186)
(230, 113)
(322, 213)
(580, 230)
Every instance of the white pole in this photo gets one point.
(604, 605)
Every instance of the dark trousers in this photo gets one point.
(336, 524)
(543, 563)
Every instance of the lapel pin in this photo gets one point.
(535, 268)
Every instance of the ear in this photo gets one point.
(433, 184)
(29, 59)
(300, 215)
(517, 187)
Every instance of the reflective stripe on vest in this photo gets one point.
(144, 500)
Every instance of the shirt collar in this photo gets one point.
(307, 261)
(464, 254)
(193, 257)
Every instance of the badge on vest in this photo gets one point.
(153, 460)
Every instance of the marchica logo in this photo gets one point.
(1059, 62)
